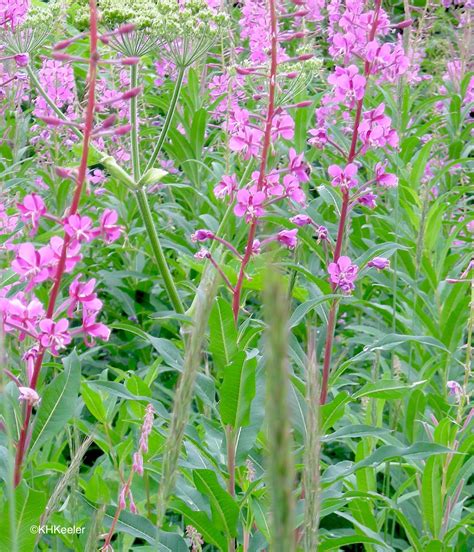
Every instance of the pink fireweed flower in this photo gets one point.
(108, 227)
(297, 166)
(55, 335)
(382, 178)
(32, 209)
(322, 234)
(249, 203)
(226, 187)
(343, 178)
(380, 263)
(293, 190)
(288, 238)
(247, 142)
(31, 264)
(24, 314)
(319, 137)
(343, 274)
(368, 199)
(73, 255)
(83, 293)
(92, 329)
(256, 247)
(349, 86)
(80, 228)
(283, 126)
(270, 184)
(30, 396)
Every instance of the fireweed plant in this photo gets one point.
(236, 298)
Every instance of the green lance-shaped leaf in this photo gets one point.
(280, 449)
(238, 391)
(225, 511)
(223, 334)
(58, 402)
(184, 392)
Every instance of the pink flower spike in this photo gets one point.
(288, 238)
(54, 335)
(137, 465)
(343, 178)
(32, 209)
(343, 274)
(380, 263)
(108, 227)
(30, 396)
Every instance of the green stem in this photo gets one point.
(135, 150)
(169, 117)
(158, 253)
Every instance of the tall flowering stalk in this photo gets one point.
(353, 34)
(67, 239)
(254, 137)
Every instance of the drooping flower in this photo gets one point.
(29, 395)
(343, 274)
(202, 235)
(288, 238)
(301, 220)
(380, 263)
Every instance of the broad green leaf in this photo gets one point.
(94, 402)
(201, 522)
(431, 497)
(58, 402)
(225, 511)
(29, 505)
(237, 391)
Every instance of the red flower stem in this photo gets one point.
(81, 178)
(265, 151)
(342, 222)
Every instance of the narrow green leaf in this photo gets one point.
(225, 511)
(238, 391)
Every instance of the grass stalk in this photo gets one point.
(280, 445)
